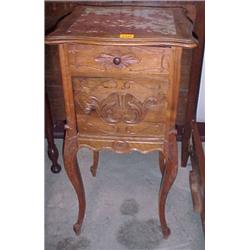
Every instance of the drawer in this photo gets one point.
(112, 60)
(121, 107)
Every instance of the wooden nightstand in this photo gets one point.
(120, 70)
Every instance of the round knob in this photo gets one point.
(117, 60)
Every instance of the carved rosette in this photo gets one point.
(121, 146)
(120, 107)
(108, 60)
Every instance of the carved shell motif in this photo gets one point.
(108, 60)
(120, 107)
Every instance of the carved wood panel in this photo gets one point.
(55, 10)
(92, 60)
(108, 106)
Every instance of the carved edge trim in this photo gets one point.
(127, 150)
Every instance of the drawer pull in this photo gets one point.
(117, 60)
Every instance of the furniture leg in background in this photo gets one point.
(52, 150)
(93, 168)
(197, 174)
(194, 83)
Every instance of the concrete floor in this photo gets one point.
(122, 207)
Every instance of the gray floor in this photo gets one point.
(122, 210)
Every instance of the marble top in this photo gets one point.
(125, 25)
(124, 20)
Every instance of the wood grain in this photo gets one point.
(95, 60)
(109, 102)
(114, 106)
(54, 11)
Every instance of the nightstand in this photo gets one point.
(120, 71)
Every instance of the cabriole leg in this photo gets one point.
(73, 172)
(168, 178)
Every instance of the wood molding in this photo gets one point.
(59, 130)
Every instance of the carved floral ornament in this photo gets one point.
(117, 60)
(120, 107)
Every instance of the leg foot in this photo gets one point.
(53, 155)
(73, 172)
(168, 178)
(93, 168)
(56, 169)
(77, 228)
(166, 232)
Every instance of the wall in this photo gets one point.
(200, 114)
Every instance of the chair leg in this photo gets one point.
(185, 145)
(93, 168)
(73, 172)
(52, 150)
(168, 178)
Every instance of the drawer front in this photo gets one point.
(121, 107)
(112, 60)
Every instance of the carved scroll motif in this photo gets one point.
(120, 107)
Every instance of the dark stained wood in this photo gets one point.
(52, 149)
(53, 83)
(59, 126)
(185, 75)
(194, 84)
(197, 174)
(109, 101)
(94, 167)
(201, 128)
(54, 12)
